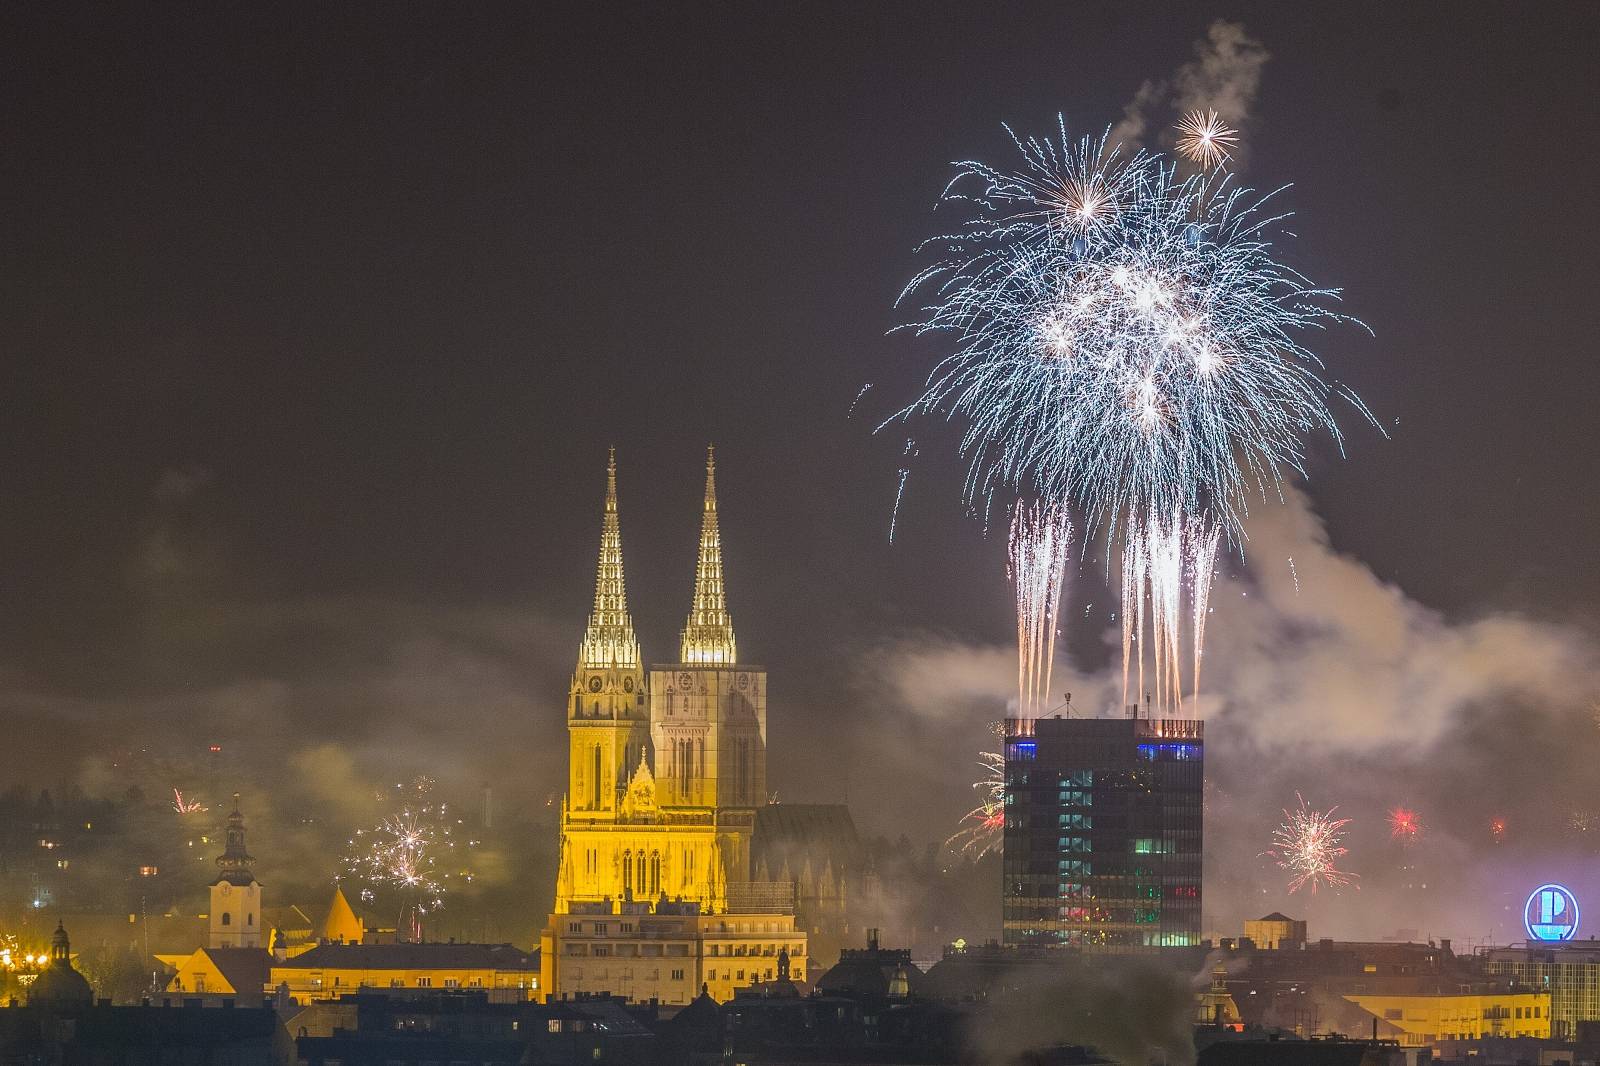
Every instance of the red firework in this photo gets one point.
(1405, 826)
(1497, 829)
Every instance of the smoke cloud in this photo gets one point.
(1130, 1012)
(1322, 678)
(1223, 76)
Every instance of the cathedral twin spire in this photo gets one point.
(609, 642)
(708, 635)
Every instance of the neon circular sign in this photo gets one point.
(1551, 913)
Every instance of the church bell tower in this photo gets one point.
(235, 920)
(608, 719)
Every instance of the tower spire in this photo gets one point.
(708, 634)
(234, 862)
(609, 641)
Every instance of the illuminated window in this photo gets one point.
(424, 982)
(1024, 750)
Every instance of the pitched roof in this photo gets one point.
(1276, 916)
(820, 830)
(245, 969)
(412, 957)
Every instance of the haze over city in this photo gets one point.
(324, 322)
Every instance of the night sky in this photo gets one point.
(318, 322)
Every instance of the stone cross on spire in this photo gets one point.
(708, 635)
(609, 642)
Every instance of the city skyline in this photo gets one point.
(325, 327)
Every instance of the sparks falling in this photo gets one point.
(1308, 845)
(1125, 342)
(1040, 535)
(1204, 138)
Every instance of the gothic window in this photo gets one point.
(596, 785)
(655, 873)
(642, 882)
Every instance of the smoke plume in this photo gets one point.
(1223, 76)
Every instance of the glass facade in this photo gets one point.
(1103, 832)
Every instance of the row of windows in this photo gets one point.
(604, 928)
(420, 982)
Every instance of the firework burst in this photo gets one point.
(1405, 826)
(1126, 343)
(405, 852)
(1204, 138)
(983, 827)
(187, 806)
(1308, 845)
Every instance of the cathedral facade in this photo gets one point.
(666, 769)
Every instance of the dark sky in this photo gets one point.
(318, 321)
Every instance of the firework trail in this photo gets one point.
(1040, 535)
(1205, 138)
(1125, 342)
(1405, 826)
(983, 827)
(1309, 845)
(403, 852)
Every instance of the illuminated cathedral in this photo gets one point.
(666, 770)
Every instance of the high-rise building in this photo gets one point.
(1103, 832)
(1569, 971)
(664, 779)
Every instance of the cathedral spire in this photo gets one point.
(609, 642)
(708, 635)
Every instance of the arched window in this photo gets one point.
(655, 873)
(227, 919)
(250, 920)
(642, 882)
(627, 871)
(596, 786)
